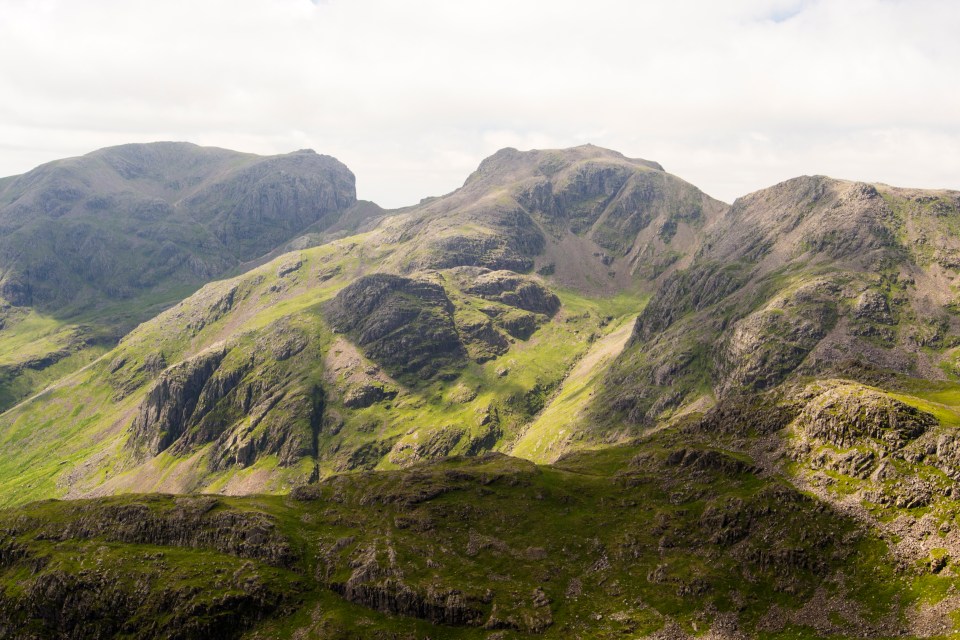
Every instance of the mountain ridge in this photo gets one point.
(620, 406)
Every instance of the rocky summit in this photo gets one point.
(574, 398)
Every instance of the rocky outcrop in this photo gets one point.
(518, 324)
(98, 603)
(690, 291)
(365, 395)
(768, 345)
(248, 401)
(273, 200)
(481, 338)
(580, 194)
(613, 201)
(187, 522)
(847, 414)
(512, 251)
(713, 461)
(872, 306)
(439, 606)
(191, 569)
(404, 324)
(515, 290)
(168, 410)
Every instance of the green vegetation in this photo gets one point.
(625, 540)
(755, 448)
(56, 443)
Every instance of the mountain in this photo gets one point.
(91, 246)
(588, 217)
(816, 332)
(429, 335)
(576, 397)
(813, 277)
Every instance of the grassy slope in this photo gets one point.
(72, 435)
(80, 416)
(549, 435)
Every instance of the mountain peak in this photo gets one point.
(511, 165)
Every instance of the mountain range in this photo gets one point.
(576, 397)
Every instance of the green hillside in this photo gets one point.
(575, 398)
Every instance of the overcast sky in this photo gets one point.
(732, 96)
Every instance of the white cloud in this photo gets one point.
(732, 96)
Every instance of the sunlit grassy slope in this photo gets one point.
(71, 439)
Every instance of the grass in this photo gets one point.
(53, 442)
(619, 540)
(32, 336)
(547, 436)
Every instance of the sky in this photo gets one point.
(732, 96)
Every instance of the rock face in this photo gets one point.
(815, 277)
(169, 408)
(848, 414)
(404, 324)
(189, 522)
(248, 401)
(515, 238)
(374, 587)
(155, 593)
(514, 290)
(767, 345)
(589, 216)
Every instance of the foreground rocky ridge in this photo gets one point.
(670, 536)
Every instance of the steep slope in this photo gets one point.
(90, 246)
(357, 353)
(817, 333)
(812, 277)
(588, 217)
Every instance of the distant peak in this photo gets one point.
(509, 160)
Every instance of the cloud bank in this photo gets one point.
(732, 96)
